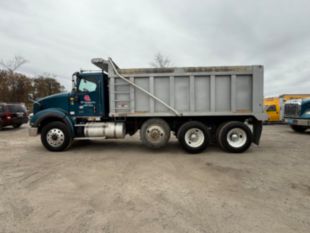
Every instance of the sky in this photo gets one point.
(61, 36)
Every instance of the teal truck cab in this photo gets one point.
(297, 114)
(61, 117)
(198, 104)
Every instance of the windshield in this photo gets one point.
(270, 108)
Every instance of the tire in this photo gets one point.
(56, 136)
(15, 126)
(299, 128)
(193, 137)
(155, 133)
(234, 137)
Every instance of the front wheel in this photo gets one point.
(55, 136)
(234, 137)
(193, 137)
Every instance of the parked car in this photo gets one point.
(13, 114)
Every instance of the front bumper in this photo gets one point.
(33, 131)
(20, 120)
(303, 122)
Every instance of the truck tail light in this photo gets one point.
(8, 116)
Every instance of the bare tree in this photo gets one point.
(46, 84)
(13, 64)
(160, 61)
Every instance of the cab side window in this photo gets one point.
(88, 84)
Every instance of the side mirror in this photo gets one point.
(74, 76)
(30, 97)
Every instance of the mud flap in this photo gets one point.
(257, 131)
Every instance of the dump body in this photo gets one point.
(188, 91)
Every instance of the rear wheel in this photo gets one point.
(193, 137)
(55, 136)
(155, 133)
(234, 137)
(299, 128)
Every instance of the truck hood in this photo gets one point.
(59, 100)
(306, 101)
(305, 108)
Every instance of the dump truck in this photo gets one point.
(297, 114)
(199, 105)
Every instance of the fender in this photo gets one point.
(39, 117)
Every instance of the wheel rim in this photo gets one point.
(236, 137)
(155, 134)
(55, 137)
(194, 137)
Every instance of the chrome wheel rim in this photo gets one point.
(155, 134)
(55, 137)
(236, 137)
(194, 137)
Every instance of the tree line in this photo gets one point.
(15, 87)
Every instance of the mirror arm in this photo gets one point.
(31, 99)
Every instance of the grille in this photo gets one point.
(291, 110)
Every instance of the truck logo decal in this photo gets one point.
(87, 98)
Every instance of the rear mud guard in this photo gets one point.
(257, 131)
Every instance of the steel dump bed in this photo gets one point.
(185, 91)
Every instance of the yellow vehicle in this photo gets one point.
(274, 106)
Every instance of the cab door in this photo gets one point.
(88, 96)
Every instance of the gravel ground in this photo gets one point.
(119, 186)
